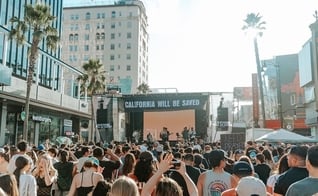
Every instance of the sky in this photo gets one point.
(199, 45)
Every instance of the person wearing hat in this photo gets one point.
(251, 186)
(297, 171)
(83, 183)
(307, 186)
(216, 180)
(240, 169)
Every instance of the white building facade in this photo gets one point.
(116, 34)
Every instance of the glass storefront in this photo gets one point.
(40, 129)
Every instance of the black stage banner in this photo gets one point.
(157, 102)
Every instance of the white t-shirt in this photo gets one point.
(11, 165)
(27, 185)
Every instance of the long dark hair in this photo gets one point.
(20, 163)
(9, 185)
(143, 170)
(64, 155)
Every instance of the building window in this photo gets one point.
(128, 35)
(130, 14)
(102, 47)
(112, 36)
(86, 48)
(113, 25)
(128, 67)
(97, 47)
(129, 24)
(102, 35)
(86, 57)
(97, 26)
(293, 99)
(87, 27)
(128, 46)
(118, 67)
(112, 46)
(97, 36)
(86, 37)
(112, 57)
(112, 68)
(71, 37)
(103, 15)
(76, 37)
(98, 15)
(113, 14)
(128, 57)
(88, 16)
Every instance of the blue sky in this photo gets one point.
(198, 45)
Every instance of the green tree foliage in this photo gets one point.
(38, 21)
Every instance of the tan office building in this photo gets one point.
(115, 33)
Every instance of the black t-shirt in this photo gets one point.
(292, 175)
(109, 167)
(180, 180)
(263, 171)
(193, 173)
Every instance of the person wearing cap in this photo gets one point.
(216, 180)
(297, 171)
(241, 169)
(308, 185)
(144, 168)
(83, 183)
(250, 185)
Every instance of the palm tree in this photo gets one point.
(38, 21)
(93, 80)
(143, 88)
(254, 23)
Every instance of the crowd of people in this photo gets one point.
(158, 169)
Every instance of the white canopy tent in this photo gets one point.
(284, 136)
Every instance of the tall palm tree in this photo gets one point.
(143, 88)
(94, 81)
(38, 21)
(253, 22)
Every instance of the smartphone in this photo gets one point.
(176, 164)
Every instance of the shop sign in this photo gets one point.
(41, 119)
(104, 126)
(68, 123)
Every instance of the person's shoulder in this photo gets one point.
(229, 192)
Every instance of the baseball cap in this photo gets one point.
(242, 168)
(250, 186)
(94, 160)
(239, 151)
(41, 147)
(215, 156)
